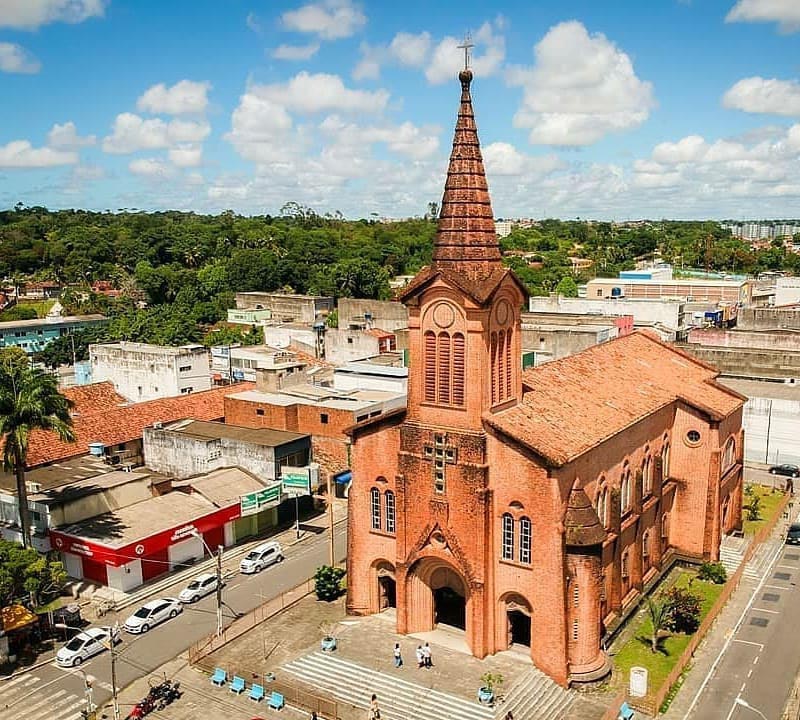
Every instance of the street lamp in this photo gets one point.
(88, 680)
(745, 704)
(195, 533)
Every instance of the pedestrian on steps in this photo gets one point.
(420, 657)
(398, 656)
(426, 656)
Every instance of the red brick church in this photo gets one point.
(530, 508)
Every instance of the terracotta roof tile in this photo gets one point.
(582, 526)
(113, 425)
(573, 404)
(93, 398)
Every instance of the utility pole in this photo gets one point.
(331, 549)
(113, 650)
(219, 590)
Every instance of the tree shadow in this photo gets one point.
(646, 641)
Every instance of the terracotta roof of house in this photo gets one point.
(114, 425)
(581, 524)
(380, 334)
(573, 404)
(93, 398)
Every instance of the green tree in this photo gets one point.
(19, 312)
(26, 573)
(567, 287)
(658, 610)
(29, 400)
(328, 582)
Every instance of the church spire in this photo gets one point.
(466, 241)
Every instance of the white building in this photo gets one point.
(243, 362)
(503, 227)
(146, 372)
(787, 291)
(364, 375)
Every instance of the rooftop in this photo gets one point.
(112, 426)
(146, 348)
(573, 404)
(319, 396)
(363, 367)
(697, 282)
(223, 487)
(203, 430)
(50, 320)
(95, 397)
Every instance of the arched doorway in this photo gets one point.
(387, 588)
(437, 595)
(518, 620)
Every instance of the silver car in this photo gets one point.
(86, 644)
(153, 613)
(201, 586)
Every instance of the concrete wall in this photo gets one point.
(772, 427)
(286, 308)
(386, 315)
(284, 335)
(749, 363)
(342, 345)
(557, 343)
(103, 501)
(744, 339)
(145, 372)
(787, 290)
(769, 319)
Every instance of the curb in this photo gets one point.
(27, 669)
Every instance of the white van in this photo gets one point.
(262, 556)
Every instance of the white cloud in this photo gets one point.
(405, 139)
(784, 12)
(580, 89)
(501, 158)
(32, 14)
(487, 58)
(369, 67)
(151, 168)
(411, 50)
(65, 137)
(194, 179)
(295, 52)
(253, 22)
(261, 129)
(21, 154)
(131, 133)
(330, 19)
(186, 155)
(306, 93)
(183, 98)
(87, 173)
(16, 59)
(759, 95)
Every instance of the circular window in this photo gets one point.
(693, 437)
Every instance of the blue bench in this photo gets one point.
(276, 701)
(237, 685)
(257, 693)
(626, 712)
(220, 677)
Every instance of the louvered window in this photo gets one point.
(508, 537)
(501, 366)
(495, 388)
(508, 365)
(459, 373)
(430, 367)
(444, 368)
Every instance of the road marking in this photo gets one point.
(788, 567)
(28, 710)
(755, 659)
(749, 642)
(772, 612)
(776, 587)
(749, 672)
(741, 690)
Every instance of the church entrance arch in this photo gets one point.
(517, 612)
(439, 596)
(386, 586)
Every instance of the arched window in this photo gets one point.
(445, 368)
(665, 527)
(508, 366)
(646, 551)
(375, 507)
(493, 350)
(625, 492)
(501, 366)
(624, 565)
(648, 476)
(525, 540)
(388, 498)
(665, 461)
(508, 537)
(729, 458)
(602, 503)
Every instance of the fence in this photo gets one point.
(652, 702)
(241, 625)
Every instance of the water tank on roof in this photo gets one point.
(617, 292)
(97, 449)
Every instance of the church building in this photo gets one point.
(530, 508)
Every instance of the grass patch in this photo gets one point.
(41, 307)
(769, 504)
(636, 651)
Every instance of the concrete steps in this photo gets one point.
(533, 697)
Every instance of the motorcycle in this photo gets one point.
(142, 708)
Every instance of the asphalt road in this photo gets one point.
(762, 659)
(139, 655)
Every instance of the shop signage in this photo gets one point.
(296, 481)
(259, 500)
(183, 532)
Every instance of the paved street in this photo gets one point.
(54, 693)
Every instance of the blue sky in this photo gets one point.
(612, 110)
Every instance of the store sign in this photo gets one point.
(296, 481)
(183, 532)
(255, 502)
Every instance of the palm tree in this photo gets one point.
(29, 400)
(659, 612)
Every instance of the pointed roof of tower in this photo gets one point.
(466, 251)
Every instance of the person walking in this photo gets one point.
(420, 657)
(398, 656)
(426, 656)
(374, 710)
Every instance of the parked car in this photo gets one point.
(788, 470)
(793, 536)
(201, 586)
(85, 645)
(262, 556)
(153, 613)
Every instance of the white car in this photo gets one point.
(201, 586)
(85, 645)
(260, 557)
(152, 613)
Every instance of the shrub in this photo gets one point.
(754, 508)
(327, 582)
(684, 610)
(713, 572)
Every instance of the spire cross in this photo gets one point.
(466, 46)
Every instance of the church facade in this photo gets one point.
(530, 508)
